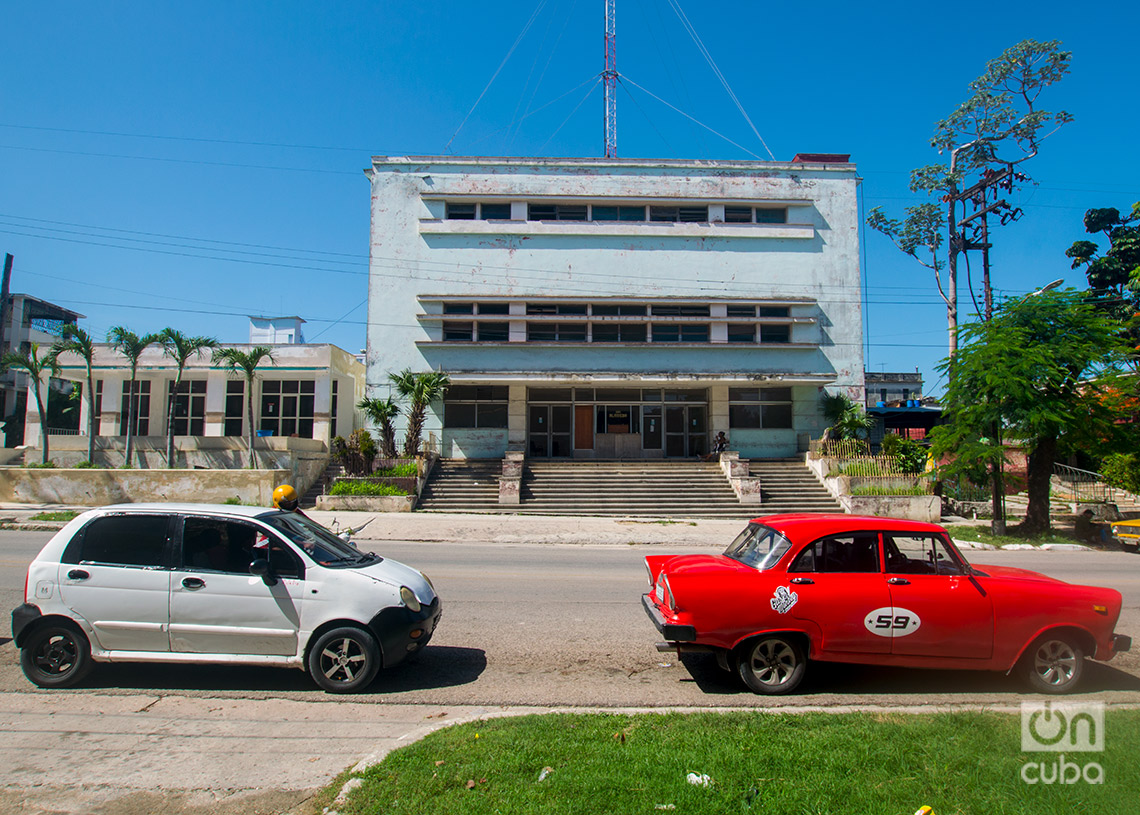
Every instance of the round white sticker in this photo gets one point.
(891, 621)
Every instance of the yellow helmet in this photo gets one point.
(285, 497)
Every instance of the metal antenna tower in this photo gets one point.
(609, 80)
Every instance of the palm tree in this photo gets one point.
(420, 390)
(847, 418)
(31, 361)
(235, 360)
(131, 345)
(180, 348)
(77, 341)
(381, 412)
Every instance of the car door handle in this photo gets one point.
(78, 574)
(898, 581)
(193, 582)
(801, 580)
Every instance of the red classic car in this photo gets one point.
(877, 591)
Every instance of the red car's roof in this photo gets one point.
(804, 524)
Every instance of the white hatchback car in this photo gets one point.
(201, 583)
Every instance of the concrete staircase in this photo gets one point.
(660, 489)
(787, 485)
(322, 484)
(463, 485)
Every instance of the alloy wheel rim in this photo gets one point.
(1055, 662)
(773, 662)
(341, 662)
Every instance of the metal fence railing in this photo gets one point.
(839, 448)
(64, 431)
(1080, 486)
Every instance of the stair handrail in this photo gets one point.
(1088, 486)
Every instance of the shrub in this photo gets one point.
(364, 487)
(910, 455)
(84, 465)
(35, 465)
(1122, 470)
(399, 471)
(864, 468)
(356, 454)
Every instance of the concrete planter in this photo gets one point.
(94, 487)
(926, 508)
(367, 503)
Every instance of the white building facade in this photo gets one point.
(307, 392)
(617, 308)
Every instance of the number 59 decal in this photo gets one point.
(892, 621)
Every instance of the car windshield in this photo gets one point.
(758, 546)
(317, 542)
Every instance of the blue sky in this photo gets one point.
(187, 165)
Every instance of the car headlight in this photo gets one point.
(409, 598)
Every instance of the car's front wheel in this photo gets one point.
(344, 660)
(771, 664)
(1054, 664)
(56, 656)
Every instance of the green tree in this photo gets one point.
(131, 346)
(1029, 373)
(382, 412)
(180, 348)
(420, 389)
(31, 361)
(1000, 125)
(1114, 274)
(236, 360)
(75, 340)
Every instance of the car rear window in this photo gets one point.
(758, 546)
(122, 540)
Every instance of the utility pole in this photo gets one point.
(5, 311)
(977, 198)
(609, 80)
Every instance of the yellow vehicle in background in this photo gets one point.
(1127, 534)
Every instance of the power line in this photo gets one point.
(196, 139)
(201, 162)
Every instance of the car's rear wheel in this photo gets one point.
(1054, 664)
(344, 660)
(56, 656)
(771, 664)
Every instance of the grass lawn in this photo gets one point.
(982, 534)
(61, 515)
(877, 764)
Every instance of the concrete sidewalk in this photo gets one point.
(429, 526)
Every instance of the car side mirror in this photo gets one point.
(260, 568)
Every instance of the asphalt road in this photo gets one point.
(534, 625)
(562, 625)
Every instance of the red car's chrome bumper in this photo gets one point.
(670, 631)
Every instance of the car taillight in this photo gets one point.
(663, 592)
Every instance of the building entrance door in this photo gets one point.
(583, 427)
(548, 431)
(686, 431)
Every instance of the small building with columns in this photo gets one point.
(302, 400)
